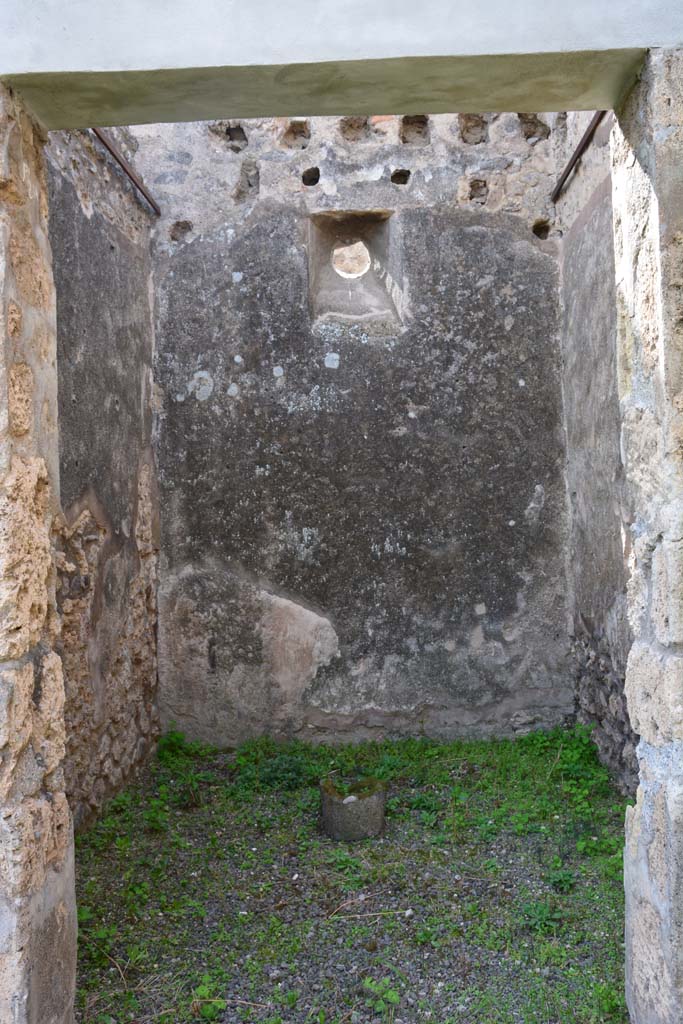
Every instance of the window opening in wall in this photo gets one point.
(355, 269)
(351, 260)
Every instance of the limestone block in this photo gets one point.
(34, 836)
(638, 586)
(38, 951)
(648, 977)
(28, 264)
(654, 889)
(20, 398)
(654, 693)
(14, 319)
(642, 455)
(25, 559)
(16, 689)
(48, 724)
(11, 191)
(667, 592)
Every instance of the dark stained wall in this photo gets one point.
(107, 580)
(363, 522)
(599, 538)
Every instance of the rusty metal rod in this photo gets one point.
(578, 153)
(126, 168)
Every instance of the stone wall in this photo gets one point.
(37, 902)
(107, 536)
(648, 219)
(599, 538)
(364, 511)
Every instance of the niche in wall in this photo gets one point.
(354, 269)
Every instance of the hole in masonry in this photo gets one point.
(311, 176)
(414, 129)
(400, 176)
(474, 129)
(541, 228)
(296, 135)
(351, 259)
(233, 133)
(249, 181)
(479, 190)
(533, 128)
(179, 229)
(236, 136)
(354, 129)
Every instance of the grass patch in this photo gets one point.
(206, 892)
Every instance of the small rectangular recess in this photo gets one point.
(369, 298)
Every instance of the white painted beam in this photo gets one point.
(82, 62)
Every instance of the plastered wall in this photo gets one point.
(601, 506)
(363, 504)
(107, 535)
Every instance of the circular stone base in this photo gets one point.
(355, 814)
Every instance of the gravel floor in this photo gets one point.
(207, 892)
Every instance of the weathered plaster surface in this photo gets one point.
(107, 534)
(600, 537)
(648, 221)
(37, 904)
(363, 515)
(553, 80)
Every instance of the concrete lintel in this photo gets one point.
(585, 80)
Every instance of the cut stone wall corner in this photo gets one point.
(648, 225)
(37, 901)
